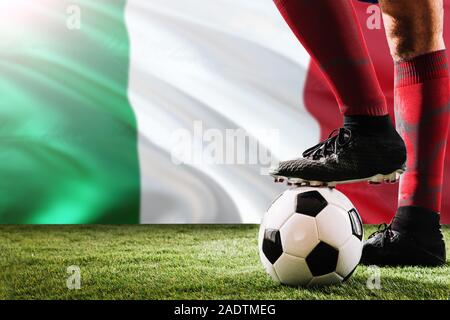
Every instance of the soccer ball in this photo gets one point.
(310, 237)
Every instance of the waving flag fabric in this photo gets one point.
(92, 92)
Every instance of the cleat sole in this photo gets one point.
(377, 179)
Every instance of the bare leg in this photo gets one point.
(413, 28)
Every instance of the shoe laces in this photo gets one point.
(385, 230)
(337, 139)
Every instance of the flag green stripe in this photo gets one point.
(68, 138)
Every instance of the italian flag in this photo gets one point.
(92, 92)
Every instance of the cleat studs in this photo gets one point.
(377, 179)
(392, 176)
(281, 180)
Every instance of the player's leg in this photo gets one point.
(415, 35)
(330, 32)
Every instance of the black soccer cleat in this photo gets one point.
(347, 156)
(387, 247)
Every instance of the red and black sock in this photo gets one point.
(340, 52)
(422, 99)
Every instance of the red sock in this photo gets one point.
(339, 50)
(422, 115)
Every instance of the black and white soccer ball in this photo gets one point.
(311, 236)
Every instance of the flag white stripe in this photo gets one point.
(230, 64)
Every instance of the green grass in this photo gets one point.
(175, 262)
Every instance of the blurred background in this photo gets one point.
(171, 111)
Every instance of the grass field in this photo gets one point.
(175, 262)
